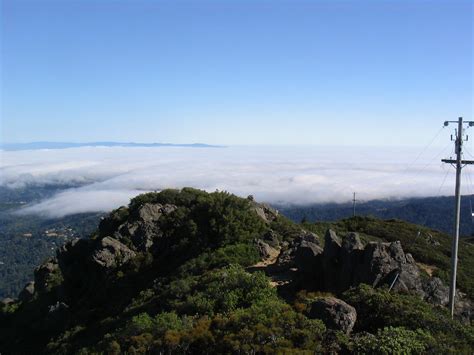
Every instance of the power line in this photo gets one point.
(423, 150)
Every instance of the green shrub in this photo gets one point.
(390, 340)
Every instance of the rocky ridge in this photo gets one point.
(85, 271)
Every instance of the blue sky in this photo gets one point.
(235, 72)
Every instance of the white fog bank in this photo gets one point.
(296, 175)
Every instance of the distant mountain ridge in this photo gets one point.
(63, 145)
(433, 212)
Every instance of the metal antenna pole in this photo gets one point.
(454, 248)
(354, 205)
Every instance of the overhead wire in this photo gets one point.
(423, 150)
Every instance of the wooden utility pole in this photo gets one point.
(354, 205)
(459, 164)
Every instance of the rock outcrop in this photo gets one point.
(110, 253)
(47, 275)
(143, 230)
(265, 212)
(347, 262)
(28, 292)
(335, 313)
(301, 252)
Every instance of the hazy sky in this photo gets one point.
(235, 72)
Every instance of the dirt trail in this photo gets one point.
(278, 277)
(270, 260)
(428, 268)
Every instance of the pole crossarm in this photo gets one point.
(454, 161)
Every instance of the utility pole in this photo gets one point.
(354, 205)
(459, 164)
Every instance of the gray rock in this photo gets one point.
(46, 274)
(58, 307)
(71, 258)
(144, 230)
(309, 237)
(108, 225)
(265, 212)
(332, 245)
(7, 301)
(271, 238)
(409, 258)
(305, 256)
(150, 212)
(436, 292)
(352, 242)
(347, 262)
(335, 313)
(58, 313)
(432, 241)
(265, 250)
(28, 292)
(111, 253)
(300, 252)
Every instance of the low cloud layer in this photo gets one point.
(110, 176)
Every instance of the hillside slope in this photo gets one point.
(191, 272)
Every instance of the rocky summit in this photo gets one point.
(188, 272)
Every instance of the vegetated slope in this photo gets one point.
(182, 272)
(23, 241)
(433, 212)
(24, 244)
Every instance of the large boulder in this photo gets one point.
(386, 263)
(109, 224)
(265, 212)
(352, 242)
(71, 257)
(272, 239)
(335, 313)
(301, 252)
(305, 256)
(346, 262)
(436, 291)
(47, 275)
(143, 230)
(28, 292)
(110, 254)
(87, 264)
(265, 250)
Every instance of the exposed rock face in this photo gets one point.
(463, 308)
(335, 313)
(305, 256)
(265, 212)
(346, 262)
(264, 249)
(144, 229)
(28, 292)
(110, 223)
(71, 258)
(271, 238)
(46, 274)
(301, 252)
(86, 264)
(436, 292)
(352, 242)
(110, 253)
